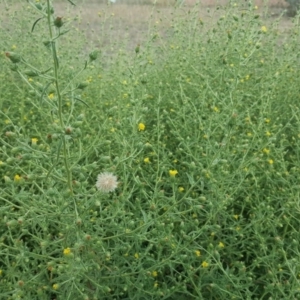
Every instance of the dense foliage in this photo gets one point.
(201, 127)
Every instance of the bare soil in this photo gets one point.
(104, 25)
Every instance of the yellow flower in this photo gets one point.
(216, 109)
(146, 160)
(34, 141)
(181, 189)
(270, 161)
(17, 178)
(264, 29)
(154, 274)
(236, 216)
(51, 96)
(265, 150)
(1, 162)
(198, 253)
(1, 272)
(155, 284)
(173, 173)
(141, 126)
(67, 251)
(205, 264)
(136, 255)
(267, 120)
(221, 245)
(268, 133)
(249, 134)
(55, 286)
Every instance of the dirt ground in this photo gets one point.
(104, 24)
(122, 19)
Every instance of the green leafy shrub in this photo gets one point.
(200, 125)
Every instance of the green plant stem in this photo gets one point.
(60, 113)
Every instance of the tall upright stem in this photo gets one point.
(56, 83)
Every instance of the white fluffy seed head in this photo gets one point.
(106, 182)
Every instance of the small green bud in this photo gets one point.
(78, 123)
(93, 55)
(15, 150)
(68, 130)
(39, 6)
(82, 85)
(10, 134)
(51, 89)
(39, 86)
(31, 73)
(78, 132)
(7, 179)
(32, 93)
(58, 22)
(51, 10)
(14, 57)
(11, 223)
(14, 67)
(47, 43)
(137, 48)
(235, 18)
(80, 117)
(21, 220)
(54, 136)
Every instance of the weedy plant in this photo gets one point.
(294, 6)
(170, 173)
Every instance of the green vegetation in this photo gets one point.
(201, 126)
(294, 6)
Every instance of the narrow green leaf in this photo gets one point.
(72, 2)
(81, 101)
(36, 23)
